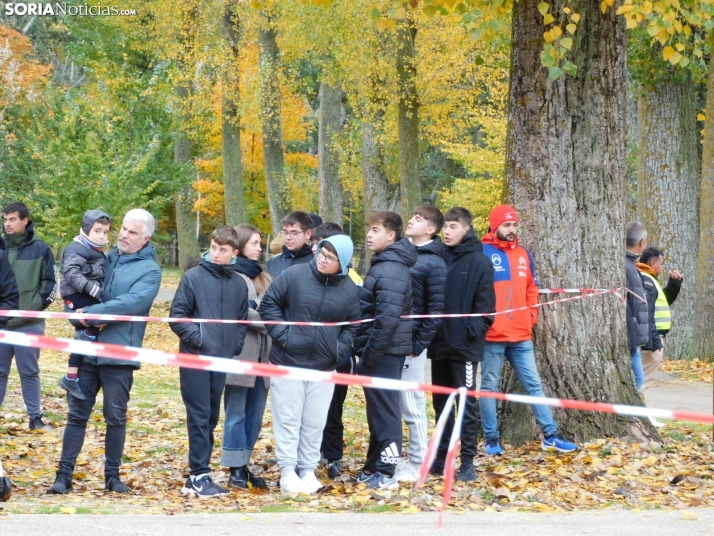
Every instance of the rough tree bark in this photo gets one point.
(408, 116)
(270, 109)
(668, 191)
(230, 126)
(703, 340)
(188, 251)
(565, 174)
(331, 198)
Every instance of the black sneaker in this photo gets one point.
(72, 387)
(256, 481)
(334, 469)
(437, 468)
(36, 423)
(5, 488)
(239, 477)
(203, 486)
(114, 483)
(467, 472)
(62, 485)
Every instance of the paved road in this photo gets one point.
(609, 522)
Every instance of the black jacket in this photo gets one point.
(654, 341)
(9, 295)
(82, 270)
(386, 296)
(303, 294)
(278, 264)
(428, 282)
(469, 290)
(211, 291)
(638, 331)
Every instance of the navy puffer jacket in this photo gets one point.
(638, 331)
(386, 296)
(428, 282)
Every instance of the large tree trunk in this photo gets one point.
(565, 174)
(230, 126)
(703, 340)
(330, 124)
(408, 117)
(185, 215)
(269, 65)
(668, 192)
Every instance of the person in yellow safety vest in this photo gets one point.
(651, 265)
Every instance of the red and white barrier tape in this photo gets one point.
(130, 318)
(219, 364)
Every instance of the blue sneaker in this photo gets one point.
(555, 443)
(493, 447)
(381, 481)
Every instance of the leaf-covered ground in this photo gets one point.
(689, 371)
(675, 473)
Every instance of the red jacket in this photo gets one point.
(516, 286)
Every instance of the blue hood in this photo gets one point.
(344, 248)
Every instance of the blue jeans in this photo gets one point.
(244, 408)
(522, 358)
(637, 369)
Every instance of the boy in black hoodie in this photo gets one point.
(383, 345)
(213, 289)
(459, 343)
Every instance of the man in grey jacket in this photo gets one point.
(637, 313)
(133, 279)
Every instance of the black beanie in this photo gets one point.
(90, 217)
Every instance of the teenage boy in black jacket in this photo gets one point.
(210, 290)
(297, 249)
(459, 344)
(383, 345)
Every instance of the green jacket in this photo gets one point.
(33, 264)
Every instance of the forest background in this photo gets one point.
(584, 115)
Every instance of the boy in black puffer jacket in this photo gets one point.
(459, 344)
(320, 291)
(210, 290)
(428, 281)
(382, 345)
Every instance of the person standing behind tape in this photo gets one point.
(638, 330)
(297, 230)
(9, 294)
(651, 266)
(511, 334)
(133, 279)
(34, 267)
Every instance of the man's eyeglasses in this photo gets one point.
(329, 259)
(291, 234)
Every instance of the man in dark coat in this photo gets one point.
(459, 344)
(9, 295)
(34, 267)
(428, 281)
(382, 345)
(297, 249)
(638, 330)
(132, 279)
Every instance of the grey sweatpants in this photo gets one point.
(299, 416)
(27, 361)
(413, 406)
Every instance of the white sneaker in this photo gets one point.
(312, 484)
(656, 423)
(292, 484)
(408, 472)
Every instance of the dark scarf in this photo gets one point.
(247, 267)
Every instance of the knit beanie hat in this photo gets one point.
(90, 217)
(344, 248)
(316, 220)
(500, 215)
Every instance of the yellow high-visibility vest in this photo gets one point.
(663, 315)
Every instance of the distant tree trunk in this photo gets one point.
(185, 214)
(269, 65)
(331, 198)
(408, 116)
(703, 340)
(565, 174)
(230, 127)
(669, 181)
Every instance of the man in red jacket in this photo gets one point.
(511, 333)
